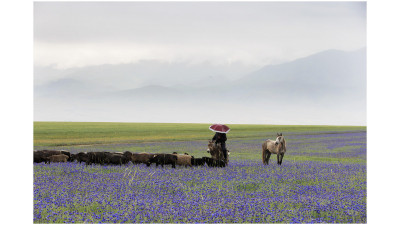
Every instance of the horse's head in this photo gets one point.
(279, 138)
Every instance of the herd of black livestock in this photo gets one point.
(120, 158)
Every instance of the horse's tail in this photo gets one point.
(264, 152)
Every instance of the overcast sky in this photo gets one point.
(103, 47)
(76, 34)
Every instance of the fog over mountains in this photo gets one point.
(325, 88)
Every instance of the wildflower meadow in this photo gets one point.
(322, 180)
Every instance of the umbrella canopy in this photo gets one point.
(220, 128)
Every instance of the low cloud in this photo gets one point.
(79, 34)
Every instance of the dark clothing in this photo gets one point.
(221, 138)
(224, 150)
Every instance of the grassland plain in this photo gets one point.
(88, 133)
(322, 178)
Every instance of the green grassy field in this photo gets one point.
(89, 133)
(322, 178)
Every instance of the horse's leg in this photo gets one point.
(263, 157)
(268, 155)
(277, 157)
(282, 158)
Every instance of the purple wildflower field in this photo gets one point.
(322, 180)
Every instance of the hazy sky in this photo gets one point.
(76, 34)
(100, 61)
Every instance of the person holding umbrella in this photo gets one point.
(220, 136)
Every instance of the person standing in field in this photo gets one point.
(221, 138)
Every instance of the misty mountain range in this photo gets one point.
(330, 85)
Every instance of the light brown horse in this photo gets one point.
(277, 147)
(216, 152)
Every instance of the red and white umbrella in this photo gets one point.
(220, 128)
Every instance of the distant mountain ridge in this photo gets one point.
(328, 67)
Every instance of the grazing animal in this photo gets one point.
(197, 161)
(213, 162)
(183, 160)
(56, 152)
(277, 147)
(128, 155)
(216, 152)
(117, 158)
(67, 154)
(41, 155)
(79, 157)
(164, 159)
(143, 157)
(97, 158)
(57, 158)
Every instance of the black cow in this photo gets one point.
(117, 159)
(97, 158)
(39, 156)
(164, 159)
(197, 161)
(79, 157)
(213, 162)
